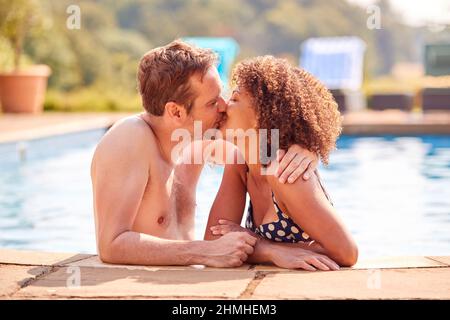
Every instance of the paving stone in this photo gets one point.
(271, 268)
(443, 259)
(376, 263)
(432, 283)
(95, 262)
(14, 127)
(39, 258)
(387, 278)
(120, 282)
(13, 277)
(397, 263)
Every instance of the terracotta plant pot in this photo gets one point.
(23, 91)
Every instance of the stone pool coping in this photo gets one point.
(45, 275)
(18, 127)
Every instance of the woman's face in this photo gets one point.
(240, 111)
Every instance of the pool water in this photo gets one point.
(392, 192)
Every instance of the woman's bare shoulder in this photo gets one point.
(298, 190)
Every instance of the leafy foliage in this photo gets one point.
(102, 56)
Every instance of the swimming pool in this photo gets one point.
(393, 192)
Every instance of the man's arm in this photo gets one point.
(136, 248)
(119, 173)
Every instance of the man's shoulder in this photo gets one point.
(127, 134)
(131, 125)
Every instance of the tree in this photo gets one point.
(17, 18)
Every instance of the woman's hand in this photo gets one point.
(283, 255)
(290, 257)
(295, 162)
(226, 226)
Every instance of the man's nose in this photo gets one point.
(222, 105)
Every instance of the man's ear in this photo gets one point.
(176, 112)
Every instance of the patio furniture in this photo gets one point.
(436, 99)
(436, 96)
(338, 63)
(402, 101)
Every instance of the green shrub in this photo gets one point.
(91, 100)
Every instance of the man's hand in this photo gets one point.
(296, 162)
(231, 250)
(296, 258)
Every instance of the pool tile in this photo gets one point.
(120, 282)
(39, 258)
(430, 283)
(13, 277)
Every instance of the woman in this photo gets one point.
(296, 224)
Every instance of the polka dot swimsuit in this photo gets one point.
(282, 230)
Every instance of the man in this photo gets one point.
(144, 201)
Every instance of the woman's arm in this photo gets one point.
(226, 215)
(306, 203)
(229, 203)
(307, 256)
(230, 200)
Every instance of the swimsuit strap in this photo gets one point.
(279, 211)
(323, 188)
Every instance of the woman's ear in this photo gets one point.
(176, 112)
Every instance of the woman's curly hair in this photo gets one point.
(291, 100)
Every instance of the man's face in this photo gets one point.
(209, 106)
